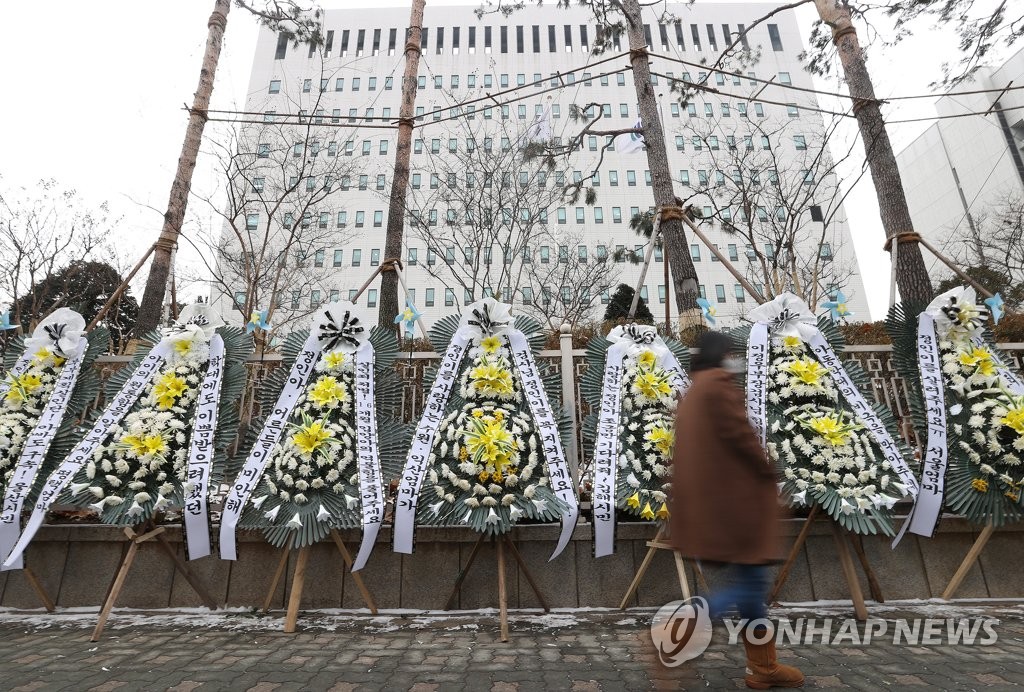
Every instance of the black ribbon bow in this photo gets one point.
(484, 321)
(331, 334)
(55, 332)
(640, 335)
(781, 319)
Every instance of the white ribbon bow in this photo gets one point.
(786, 315)
(341, 325)
(486, 317)
(61, 331)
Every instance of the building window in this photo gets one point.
(720, 293)
(773, 34)
(800, 141)
(695, 252)
(337, 258)
(252, 222)
(275, 86)
(371, 298)
(741, 297)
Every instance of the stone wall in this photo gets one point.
(76, 565)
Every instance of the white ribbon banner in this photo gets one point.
(757, 381)
(200, 455)
(81, 454)
(371, 491)
(606, 449)
(258, 457)
(20, 366)
(828, 358)
(37, 444)
(925, 515)
(554, 455)
(417, 462)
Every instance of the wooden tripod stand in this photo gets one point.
(653, 546)
(501, 542)
(135, 540)
(972, 556)
(299, 581)
(840, 536)
(37, 587)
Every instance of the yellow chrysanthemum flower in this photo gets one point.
(652, 385)
(311, 436)
(490, 344)
(980, 359)
(489, 442)
(334, 359)
(328, 392)
(22, 386)
(662, 438)
(1014, 418)
(792, 344)
(168, 389)
(980, 484)
(44, 354)
(183, 346)
(832, 428)
(647, 360)
(807, 370)
(145, 445)
(491, 379)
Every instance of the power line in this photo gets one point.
(953, 115)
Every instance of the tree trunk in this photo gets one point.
(400, 179)
(684, 274)
(911, 273)
(151, 307)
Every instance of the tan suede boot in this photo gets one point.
(763, 669)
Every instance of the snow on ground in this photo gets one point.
(390, 620)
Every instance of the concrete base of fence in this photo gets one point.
(76, 565)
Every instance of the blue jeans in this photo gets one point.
(745, 588)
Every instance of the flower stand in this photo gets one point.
(972, 556)
(299, 581)
(660, 543)
(147, 533)
(501, 542)
(840, 537)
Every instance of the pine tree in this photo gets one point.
(622, 300)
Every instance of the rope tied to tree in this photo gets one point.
(407, 122)
(672, 213)
(165, 243)
(412, 47)
(902, 237)
(390, 264)
(639, 53)
(845, 31)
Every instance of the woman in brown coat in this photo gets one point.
(725, 502)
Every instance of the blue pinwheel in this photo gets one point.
(707, 309)
(837, 308)
(257, 320)
(995, 305)
(5, 322)
(407, 318)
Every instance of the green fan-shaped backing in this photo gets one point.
(873, 520)
(440, 337)
(237, 348)
(71, 431)
(960, 496)
(392, 440)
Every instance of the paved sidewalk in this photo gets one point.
(581, 650)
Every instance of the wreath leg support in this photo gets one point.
(134, 541)
(653, 546)
(794, 553)
(846, 562)
(501, 542)
(972, 556)
(37, 586)
(299, 581)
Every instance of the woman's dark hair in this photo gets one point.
(712, 348)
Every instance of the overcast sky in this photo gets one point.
(95, 92)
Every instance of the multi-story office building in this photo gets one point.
(483, 217)
(962, 167)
